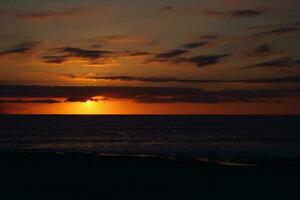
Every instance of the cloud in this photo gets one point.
(172, 53)
(278, 31)
(146, 94)
(246, 13)
(55, 59)
(200, 61)
(237, 14)
(175, 56)
(62, 13)
(50, 14)
(59, 13)
(91, 56)
(193, 45)
(288, 79)
(216, 40)
(168, 8)
(82, 53)
(263, 51)
(22, 47)
(142, 53)
(120, 39)
(206, 60)
(141, 79)
(208, 37)
(48, 101)
(280, 62)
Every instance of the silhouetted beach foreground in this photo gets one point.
(149, 157)
(90, 176)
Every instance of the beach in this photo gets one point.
(90, 176)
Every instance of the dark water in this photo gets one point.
(229, 136)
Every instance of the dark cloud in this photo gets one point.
(82, 53)
(193, 45)
(237, 14)
(175, 56)
(208, 37)
(146, 79)
(48, 101)
(66, 53)
(201, 61)
(55, 59)
(46, 14)
(142, 53)
(246, 13)
(146, 94)
(69, 12)
(172, 53)
(263, 51)
(123, 39)
(281, 62)
(278, 31)
(20, 48)
(289, 79)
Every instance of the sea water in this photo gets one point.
(153, 135)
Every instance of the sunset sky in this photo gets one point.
(149, 57)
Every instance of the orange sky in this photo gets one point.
(177, 57)
(129, 107)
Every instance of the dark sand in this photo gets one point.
(84, 176)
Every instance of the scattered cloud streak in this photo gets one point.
(65, 54)
(288, 79)
(263, 51)
(275, 30)
(23, 47)
(280, 62)
(206, 60)
(177, 56)
(122, 39)
(278, 31)
(50, 14)
(55, 13)
(194, 45)
(22, 101)
(171, 54)
(199, 61)
(236, 14)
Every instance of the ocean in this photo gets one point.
(153, 135)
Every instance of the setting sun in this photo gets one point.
(88, 102)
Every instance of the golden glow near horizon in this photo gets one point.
(88, 102)
(129, 107)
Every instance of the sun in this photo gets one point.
(88, 102)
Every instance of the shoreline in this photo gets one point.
(92, 176)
